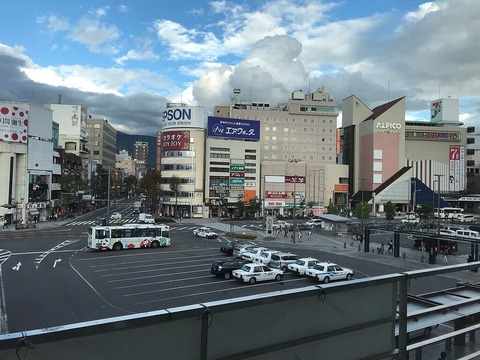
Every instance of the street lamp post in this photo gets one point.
(362, 208)
(438, 176)
(192, 140)
(294, 208)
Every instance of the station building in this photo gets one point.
(390, 159)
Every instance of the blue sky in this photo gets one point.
(125, 60)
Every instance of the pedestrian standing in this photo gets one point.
(5, 224)
(286, 233)
(390, 246)
(445, 256)
(309, 233)
(299, 236)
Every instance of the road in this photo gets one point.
(49, 278)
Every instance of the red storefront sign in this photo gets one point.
(237, 174)
(175, 140)
(295, 179)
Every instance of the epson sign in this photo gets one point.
(181, 117)
(177, 114)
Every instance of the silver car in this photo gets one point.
(282, 260)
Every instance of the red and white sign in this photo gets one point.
(237, 174)
(274, 204)
(275, 194)
(295, 179)
(13, 123)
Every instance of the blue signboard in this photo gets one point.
(233, 128)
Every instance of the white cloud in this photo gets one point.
(136, 55)
(421, 12)
(96, 36)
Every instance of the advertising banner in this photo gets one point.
(274, 203)
(13, 123)
(175, 140)
(183, 117)
(237, 174)
(293, 179)
(237, 167)
(237, 181)
(233, 128)
(454, 157)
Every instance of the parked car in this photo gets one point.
(239, 250)
(326, 272)
(224, 268)
(264, 257)
(250, 254)
(205, 232)
(282, 260)
(253, 272)
(228, 247)
(301, 265)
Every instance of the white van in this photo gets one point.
(468, 234)
(465, 218)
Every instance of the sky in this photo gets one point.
(124, 60)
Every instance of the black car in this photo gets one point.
(224, 268)
(228, 247)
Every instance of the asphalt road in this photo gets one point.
(49, 278)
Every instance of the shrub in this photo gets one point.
(245, 236)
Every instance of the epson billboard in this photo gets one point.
(183, 117)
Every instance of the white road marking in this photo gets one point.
(17, 267)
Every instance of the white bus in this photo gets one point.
(447, 212)
(129, 236)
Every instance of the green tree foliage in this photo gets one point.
(333, 209)
(175, 187)
(363, 210)
(130, 183)
(389, 211)
(70, 184)
(150, 186)
(425, 211)
(100, 184)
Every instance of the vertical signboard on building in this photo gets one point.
(237, 178)
(13, 122)
(457, 168)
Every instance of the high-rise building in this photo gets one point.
(140, 156)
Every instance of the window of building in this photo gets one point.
(219, 149)
(274, 156)
(251, 157)
(305, 121)
(294, 121)
(304, 130)
(378, 154)
(267, 138)
(312, 121)
(274, 128)
(377, 166)
(285, 129)
(312, 130)
(274, 147)
(274, 138)
(286, 120)
(312, 157)
(285, 147)
(251, 151)
(267, 128)
(267, 147)
(377, 178)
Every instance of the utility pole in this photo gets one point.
(438, 176)
(294, 208)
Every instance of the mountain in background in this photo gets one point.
(125, 142)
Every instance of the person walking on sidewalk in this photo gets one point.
(5, 224)
(390, 246)
(445, 256)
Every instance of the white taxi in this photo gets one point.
(252, 253)
(264, 257)
(303, 264)
(326, 272)
(251, 273)
(205, 232)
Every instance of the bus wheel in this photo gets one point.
(117, 246)
(155, 244)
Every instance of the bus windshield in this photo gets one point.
(128, 236)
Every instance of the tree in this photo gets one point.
(150, 186)
(425, 211)
(389, 211)
(363, 210)
(175, 187)
(333, 209)
(130, 183)
(70, 185)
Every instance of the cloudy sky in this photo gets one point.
(125, 60)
